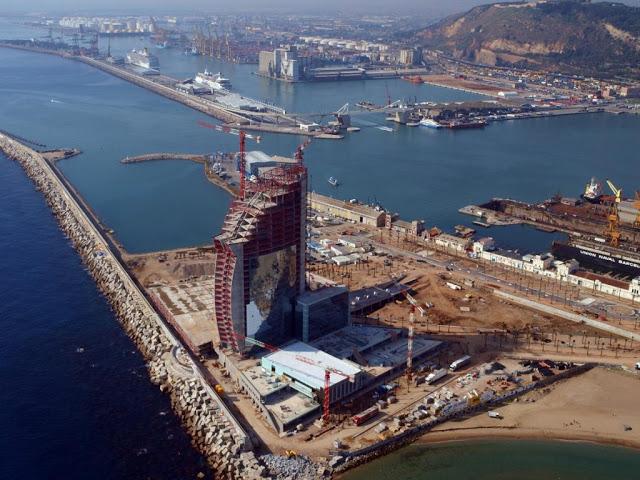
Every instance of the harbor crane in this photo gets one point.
(243, 136)
(613, 229)
(328, 371)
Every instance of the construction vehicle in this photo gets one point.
(290, 453)
(218, 388)
(613, 229)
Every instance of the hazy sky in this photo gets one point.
(428, 7)
(425, 7)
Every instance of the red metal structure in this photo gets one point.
(260, 256)
(326, 399)
(243, 140)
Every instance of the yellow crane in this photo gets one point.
(613, 229)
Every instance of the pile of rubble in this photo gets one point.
(298, 467)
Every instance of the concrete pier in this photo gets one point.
(213, 428)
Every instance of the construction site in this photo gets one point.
(333, 328)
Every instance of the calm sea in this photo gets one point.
(503, 460)
(76, 399)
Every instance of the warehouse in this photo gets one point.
(305, 368)
(351, 211)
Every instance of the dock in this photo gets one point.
(273, 120)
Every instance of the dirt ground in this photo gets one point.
(449, 81)
(581, 408)
(171, 266)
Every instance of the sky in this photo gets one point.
(373, 7)
(426, 8)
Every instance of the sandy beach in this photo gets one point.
(598, 406)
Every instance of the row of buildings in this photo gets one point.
(298, 63)
(541, 264)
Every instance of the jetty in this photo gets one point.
(152, 157)
(214, 429)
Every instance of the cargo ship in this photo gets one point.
(599, 256)
(143, 59)
(463, 124)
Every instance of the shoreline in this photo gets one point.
(515, 433)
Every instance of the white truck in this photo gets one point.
(433, 377)
(459, 363)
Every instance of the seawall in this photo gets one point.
(213, 428)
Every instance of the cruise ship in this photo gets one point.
(143, 59)
(213, 81)
(429, 123)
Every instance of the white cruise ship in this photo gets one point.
(213, 81)
(143, 59)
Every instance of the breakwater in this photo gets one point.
(151, 157)
(214, 430)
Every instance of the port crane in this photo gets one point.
(613, 229)
(243, 136)
(328, 371)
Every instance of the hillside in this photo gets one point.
(579, 37)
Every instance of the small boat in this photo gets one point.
(412, 124)
(385, 129)
(333, 181)
(353, 129)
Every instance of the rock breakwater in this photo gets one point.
(214, 430)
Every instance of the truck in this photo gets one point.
(459, 363)
(433, 377)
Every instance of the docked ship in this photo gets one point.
(599, 257)
(143, 59)
(429, 123)
(213, 81)
(592, 191)
(464, 124)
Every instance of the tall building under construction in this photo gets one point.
(260, 259)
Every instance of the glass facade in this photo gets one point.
(321, 312)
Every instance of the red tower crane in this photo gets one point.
(243, 136)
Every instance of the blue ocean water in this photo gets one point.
(76, 401)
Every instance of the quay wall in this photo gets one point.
(214, 430)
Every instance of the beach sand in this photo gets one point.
(595, 406)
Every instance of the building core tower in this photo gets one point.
(260, 259)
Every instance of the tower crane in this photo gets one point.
(328, 371)
(243, 136)
(412, 319)
(613, 229)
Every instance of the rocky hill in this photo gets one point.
(601, 39)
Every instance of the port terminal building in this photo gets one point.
(351, 211)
